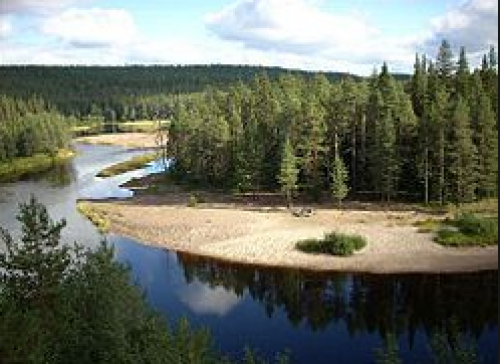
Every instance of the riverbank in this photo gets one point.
(266, 236)
(127, 140)
(20, 167)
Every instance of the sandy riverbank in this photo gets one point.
(128, 140)
(267, 237)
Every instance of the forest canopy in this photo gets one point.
(433, 138)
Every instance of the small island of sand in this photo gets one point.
(267, 236)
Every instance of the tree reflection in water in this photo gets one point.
(377, 304)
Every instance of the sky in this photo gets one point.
(352, 36)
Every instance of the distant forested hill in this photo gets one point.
(123, 93)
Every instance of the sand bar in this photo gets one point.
(267, 236)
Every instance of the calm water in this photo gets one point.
(334, 318)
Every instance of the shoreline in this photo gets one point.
(19, 168)
(241, 234)
(126, 140)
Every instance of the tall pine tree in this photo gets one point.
(462, 156)
(289, 172)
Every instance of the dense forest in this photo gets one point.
(433, 138)
(124, 93)
(31, 127)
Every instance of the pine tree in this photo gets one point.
(462, 156)
(387, 167)
(39, 262)
(289, 172)
(339, 179)
(419, 86)
(463, 75)
(444, 63)
(311, 143)
(487, 145)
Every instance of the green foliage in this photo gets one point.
(125, 93)
(21, 167)
(470, 230)
(339, 180)
(462, 156)
(333, 244)
(192, 201)
(63, 304)
(444, 349)
(288, 176)
(127, 166)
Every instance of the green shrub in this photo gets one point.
(333, 244)
(192, 201)
(469, 230)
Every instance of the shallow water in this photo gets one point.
(320, 318)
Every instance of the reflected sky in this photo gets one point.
(204, 300)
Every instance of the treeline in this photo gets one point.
(30, 127)
(124, 93)
(433, 138)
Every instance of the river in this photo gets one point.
(319, 318)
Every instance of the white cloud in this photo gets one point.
(204, 300)
(5, 27)
(473, 25)
(36, 6)
(287, 25)
(288, 33)
(88, 28)
(303, 33)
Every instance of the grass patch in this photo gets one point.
(429, 226)
(127, 166)
(469, 230)
(333, 244)
(21, 167)
(142, 126)
(98, 218)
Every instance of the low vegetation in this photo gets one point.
(466, 229)
(98, 218)
(18, 168)
(428, 226)
(469, 230)
(65, 304)
(333, 244)
(127, 166)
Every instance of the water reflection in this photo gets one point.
(204, 300)
(318, 317)
(398, 304)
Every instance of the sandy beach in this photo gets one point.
(267, 236)
(127, 140)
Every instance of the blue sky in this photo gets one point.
(341, 35)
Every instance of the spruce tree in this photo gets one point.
(289, 172)
(339, 179)
(463, 75)
(444, 63)
(387, 167)
(487, 145)
(462, 167)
